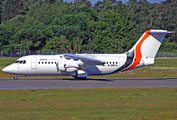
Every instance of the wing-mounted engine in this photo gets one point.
(64, 67)
(71, 68)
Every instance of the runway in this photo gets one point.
(97, 82)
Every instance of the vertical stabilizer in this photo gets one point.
(145, 49)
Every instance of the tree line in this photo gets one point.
(108, 26)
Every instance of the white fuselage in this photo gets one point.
(56, 65)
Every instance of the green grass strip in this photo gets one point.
(88, 104)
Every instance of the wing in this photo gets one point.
(86, 59)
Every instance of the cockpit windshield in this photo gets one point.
(21, 61)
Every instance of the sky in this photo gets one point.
(123, 1)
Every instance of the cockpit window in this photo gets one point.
(17, 61)
(21, 61)
(24, 61)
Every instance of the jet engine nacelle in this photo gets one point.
(67, 67)
(71, 68)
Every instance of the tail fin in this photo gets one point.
(145, 49)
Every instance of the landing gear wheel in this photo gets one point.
(80, 78)
(83, 78)
(15, 78)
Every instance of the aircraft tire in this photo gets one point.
(75, 77)
(15, 78)
(82, 78)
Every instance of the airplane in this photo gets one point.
(82, 65)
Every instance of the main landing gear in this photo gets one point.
(80, 78)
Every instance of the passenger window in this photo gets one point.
(42, 62)
(39, 62)
(48, 62)
(45, 62)
(52, 62)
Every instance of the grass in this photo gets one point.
(4, 61)
(87, 104)
(163, 67)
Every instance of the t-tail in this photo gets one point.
(145, 49)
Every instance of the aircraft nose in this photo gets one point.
(6, 69)
(10, 69)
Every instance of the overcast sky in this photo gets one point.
(123, 1)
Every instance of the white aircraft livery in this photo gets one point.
(82, 65)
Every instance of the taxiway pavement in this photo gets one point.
(91, 82)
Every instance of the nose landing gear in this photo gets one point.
(15, 77)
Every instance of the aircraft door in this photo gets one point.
(61, 65)
(121, 62)
(33, 63)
